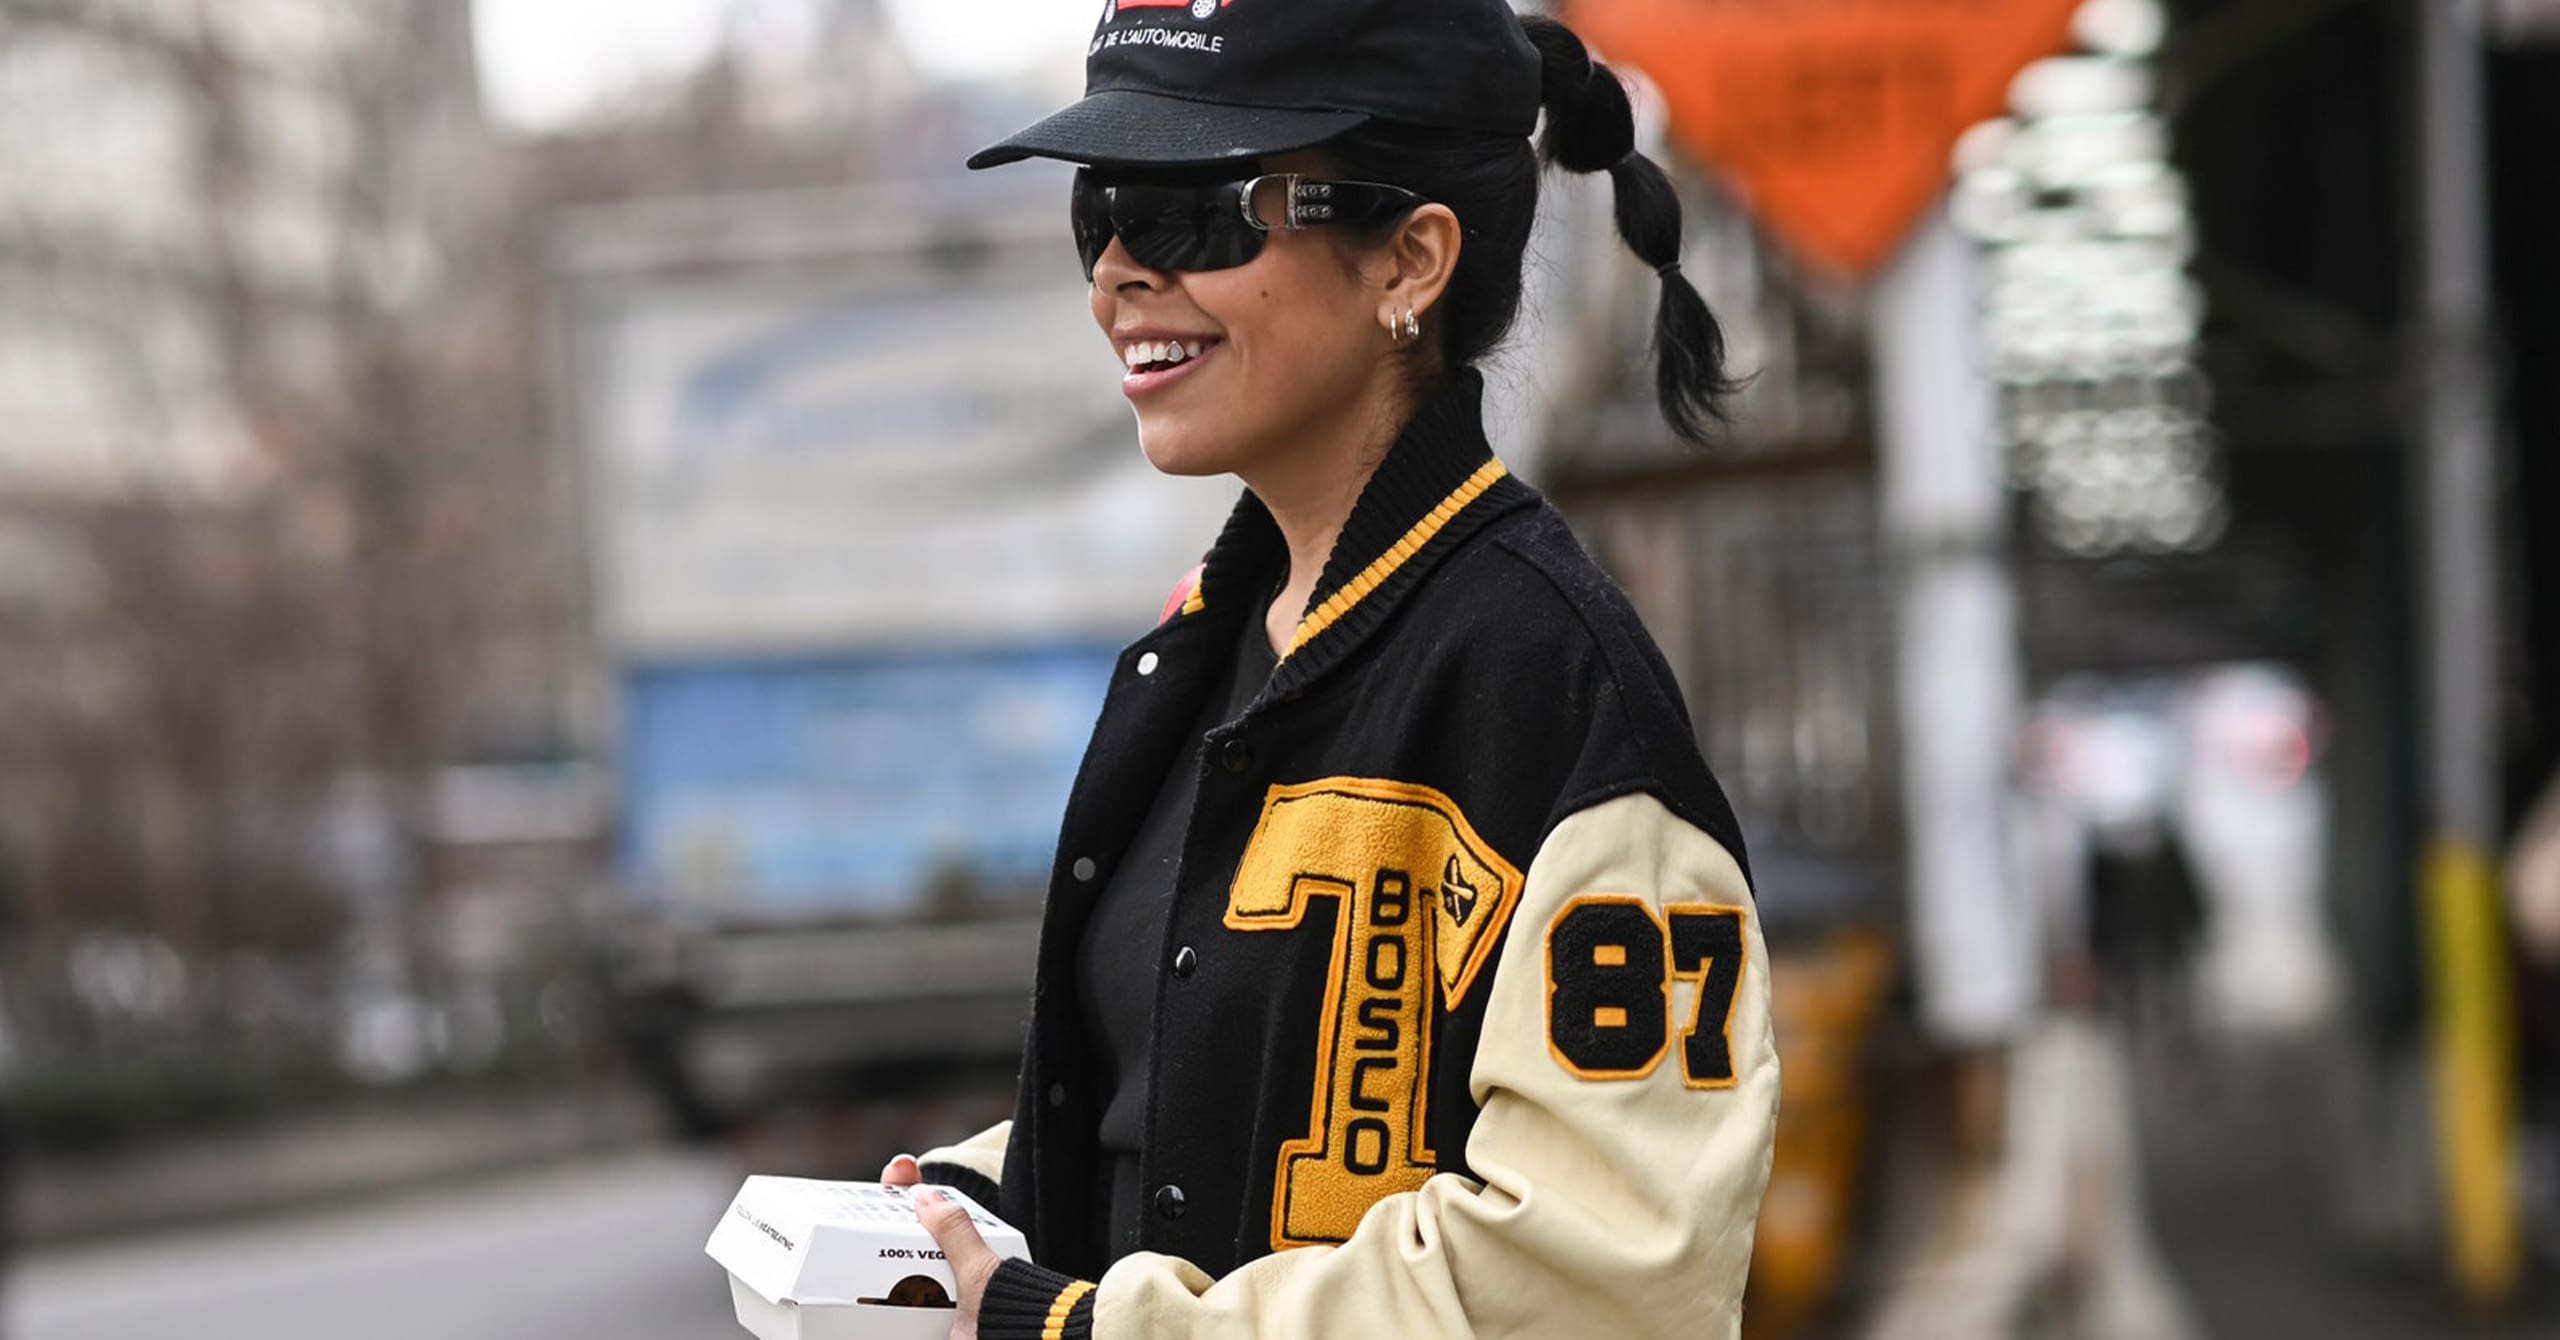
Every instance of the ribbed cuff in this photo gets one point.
(974, 1185)
(1026, 1302)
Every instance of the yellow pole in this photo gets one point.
(2471, 1035)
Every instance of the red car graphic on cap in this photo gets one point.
(1200, 9)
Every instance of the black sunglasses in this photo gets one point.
(1216, 225)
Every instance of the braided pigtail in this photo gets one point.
(1591, 128)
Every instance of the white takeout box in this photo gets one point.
(803, 1254)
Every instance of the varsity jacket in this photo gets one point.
(1462, 1020)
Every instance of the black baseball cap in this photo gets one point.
(1172, 83)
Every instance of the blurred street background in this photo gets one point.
(557, 558)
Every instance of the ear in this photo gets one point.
(1413, 268)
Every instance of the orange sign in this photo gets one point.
(1833, 118)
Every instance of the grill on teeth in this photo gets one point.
(1159, 351)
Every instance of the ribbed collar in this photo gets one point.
(1437, 485)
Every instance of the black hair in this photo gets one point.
(1491, 183)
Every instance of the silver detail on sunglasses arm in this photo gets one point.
(1306, 203)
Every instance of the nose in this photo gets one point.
(1116, 269)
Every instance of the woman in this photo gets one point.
(1400, 973)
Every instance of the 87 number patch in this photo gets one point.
(1611, 961)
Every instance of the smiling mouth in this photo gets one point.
(1143, 356)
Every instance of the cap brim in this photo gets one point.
(1132, 128)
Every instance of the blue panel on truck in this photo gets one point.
(845, 784)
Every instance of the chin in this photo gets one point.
(1189, 453)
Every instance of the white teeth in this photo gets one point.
(1160, 351)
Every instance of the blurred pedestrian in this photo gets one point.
(1401, 975)
(2533, 900)
(2146, 917)
(2533, 879)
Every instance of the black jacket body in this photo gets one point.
(1467, 678)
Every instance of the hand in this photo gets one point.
(901, 1171)
(972, 1262)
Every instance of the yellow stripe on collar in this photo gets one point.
(1375, 575)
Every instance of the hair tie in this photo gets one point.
(1665, 270)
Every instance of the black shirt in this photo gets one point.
(1118, 959)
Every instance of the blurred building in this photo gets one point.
(280, 542)
(188, 189)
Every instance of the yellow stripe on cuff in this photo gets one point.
(1376, 574)
(1056, 1327)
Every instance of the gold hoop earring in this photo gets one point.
(1395, 328)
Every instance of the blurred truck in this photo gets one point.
(866, 523)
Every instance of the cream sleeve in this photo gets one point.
(981, 1155)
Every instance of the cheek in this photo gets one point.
(1301, 351)
(1295, 320)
